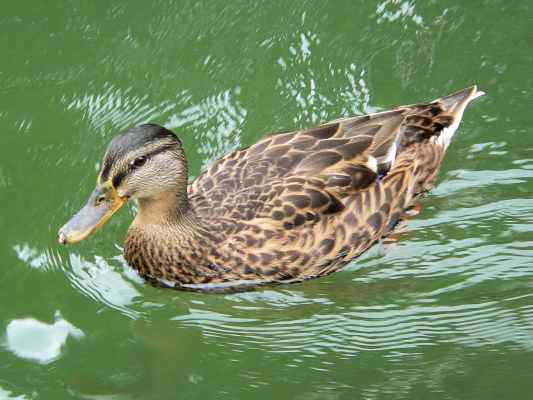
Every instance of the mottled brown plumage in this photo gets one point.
(294, 205)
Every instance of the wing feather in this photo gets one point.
(335, 158)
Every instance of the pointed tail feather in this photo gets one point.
(464, 96)
(455, 105)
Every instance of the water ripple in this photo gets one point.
(118, 108)
(98, 281)
(367, 328)
(467, 179)
(216, 123)
(7, 395)
(299, 83)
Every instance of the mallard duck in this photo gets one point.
(296, 205)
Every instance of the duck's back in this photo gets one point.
(300, 204)
(339, 157)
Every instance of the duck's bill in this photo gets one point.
(102, 204)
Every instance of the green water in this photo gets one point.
(446, 313)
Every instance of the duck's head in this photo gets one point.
(145, 163)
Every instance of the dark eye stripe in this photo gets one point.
(104, 175)
(118, 178)
(160, 150)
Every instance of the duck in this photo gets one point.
(295, 205)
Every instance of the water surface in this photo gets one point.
(445, 313)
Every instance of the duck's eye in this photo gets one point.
(139, 161)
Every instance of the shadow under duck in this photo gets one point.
(293, 206)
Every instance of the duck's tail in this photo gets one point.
(427, 132)
(454, 105)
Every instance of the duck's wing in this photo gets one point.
(348, 152)
(337, 159)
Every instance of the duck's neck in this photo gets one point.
(167, 208)
(168, 241)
